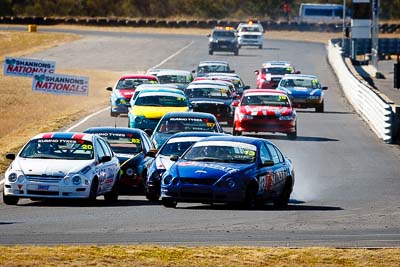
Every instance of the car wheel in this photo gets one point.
(152, 197)
(260, 47)
(251, 201)
(10, 200)
(236, 52)
(283, 200)
(293, 135)
(169, 203)
(210, 52)
(320, 108)
(113, 114)
(112, 196)
(129, 123)
(93, 191)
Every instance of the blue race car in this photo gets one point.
(175, 145)
(229, 169)
(130, 146)
(304, 91)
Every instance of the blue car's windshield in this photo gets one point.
(222, 151)
(308, 83)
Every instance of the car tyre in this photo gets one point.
(236, 52)
(113, 114)
(168, 203)
(251, 201)
(10, 200)
(283, 200)
(236, 133)
(112, 196)
(260, 47)
(320, 108)
(93, 191)
(210, 52)
(152, 197)
(293, 135)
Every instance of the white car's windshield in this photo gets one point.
(54, 148)
(175, 148)
(222, 151)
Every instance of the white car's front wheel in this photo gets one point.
(10, 200)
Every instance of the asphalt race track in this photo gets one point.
(347, 181)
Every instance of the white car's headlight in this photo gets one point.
(76, 180)
(12, 177)
(67, 179)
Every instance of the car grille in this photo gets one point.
(204, 195)
(43, 193)
(44, 179)
(224, 42)
(207, 181)
(250, 36)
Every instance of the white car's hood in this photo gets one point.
(49, 167)
(162, 160)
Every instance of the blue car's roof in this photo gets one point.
(113, 130)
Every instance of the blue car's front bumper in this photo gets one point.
(202, 193)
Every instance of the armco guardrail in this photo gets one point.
(373, 106)
(204, 23)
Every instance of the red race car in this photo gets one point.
(265, 110)
(272, 72)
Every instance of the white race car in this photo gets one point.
(62, 165)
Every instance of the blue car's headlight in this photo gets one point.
(167, 179)
(231, 183)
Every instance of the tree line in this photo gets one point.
(174, 9)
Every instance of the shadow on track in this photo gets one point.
(299, 138)
(266, 207)
(325, 112)
(81, 203)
